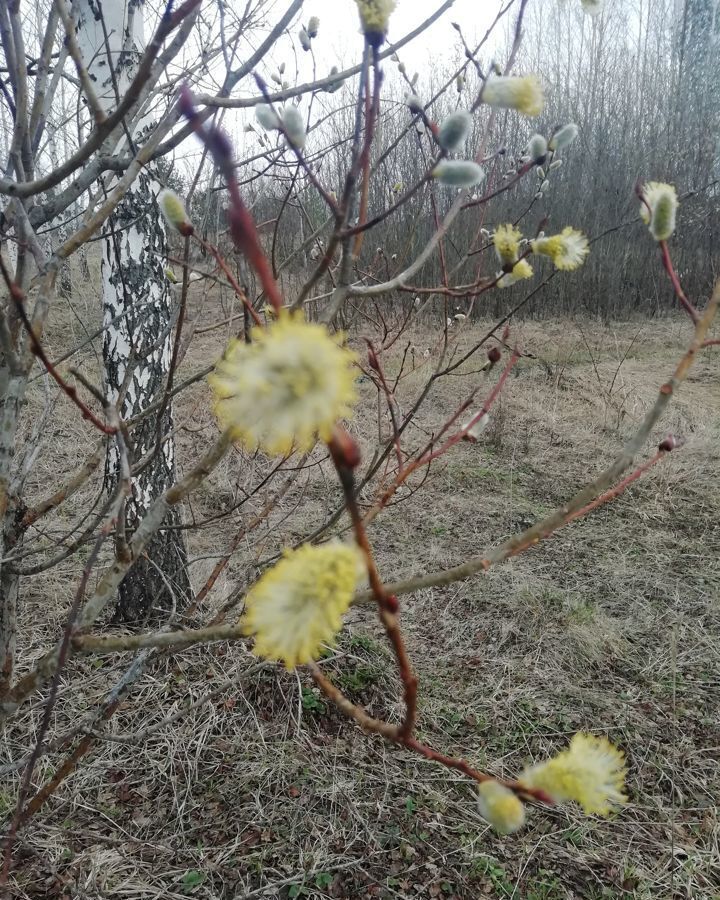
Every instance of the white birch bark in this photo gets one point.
(137, 308)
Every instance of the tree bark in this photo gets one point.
(12, 392)
(138, 313)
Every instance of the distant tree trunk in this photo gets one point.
(137, 308)
(12, 391)
(13, 383)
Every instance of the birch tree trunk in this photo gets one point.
(138, 317)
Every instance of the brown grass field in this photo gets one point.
(612, 625)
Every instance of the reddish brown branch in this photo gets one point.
(428, 455)
(665, 448)
(387, 604)
(245, 300)
(242, 227)
(391, 402)
(677, 287)
(395, 735)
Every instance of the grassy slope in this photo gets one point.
(612, 625)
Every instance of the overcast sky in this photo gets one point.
(339, 40)
(340, 24)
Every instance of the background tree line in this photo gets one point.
(642, 84)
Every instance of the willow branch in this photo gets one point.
(114, 574)
(583, 498)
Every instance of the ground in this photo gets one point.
(611, 626)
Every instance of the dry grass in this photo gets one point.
(612, 626)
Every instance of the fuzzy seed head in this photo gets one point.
(459, 173)
(174, 212)
(298, 605)
(590, 772)
(662, 201)
(375, 18)
(414, 103)
(525, 94)
(500, 807)
(507, 243)
(537, 148)
(454, 130)
(286, 388)
(563, 137)
(304, 38)
(267, 117)
(476, 429)
(567, 249)
(294, 125)
(521, 270)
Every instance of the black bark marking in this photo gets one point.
(158, 581)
